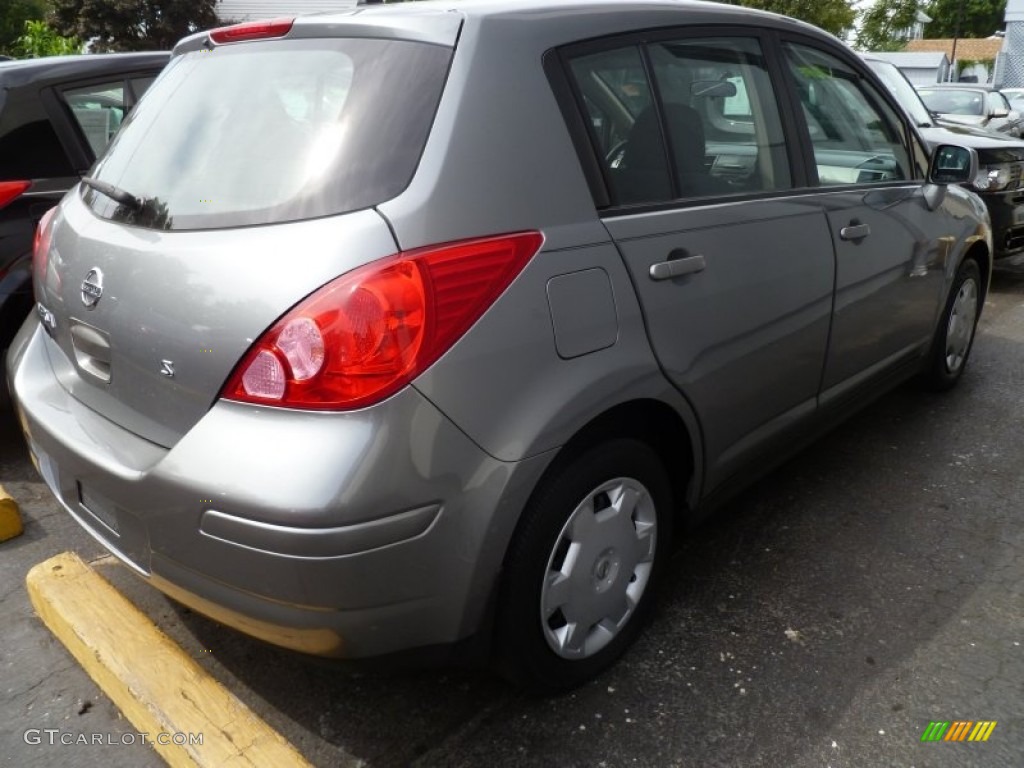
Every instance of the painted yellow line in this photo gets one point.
(157, 687)
(10, 517)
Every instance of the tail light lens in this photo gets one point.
(367, 334)
(11, 190)
(41, 246)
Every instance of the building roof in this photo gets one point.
(914, 59)
(247, 10)
(979, 49)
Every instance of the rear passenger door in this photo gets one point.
(733, 266)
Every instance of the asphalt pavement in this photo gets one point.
(825, 617)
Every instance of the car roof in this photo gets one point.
(959, 86)
(442, 21)
(477, 8)
(57, 68)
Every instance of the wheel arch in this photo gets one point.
(650, 421)
(979, 252)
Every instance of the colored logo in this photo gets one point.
(958, 730)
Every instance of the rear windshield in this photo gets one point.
(258, 133)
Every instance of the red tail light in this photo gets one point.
(9, 190)
(367, 334)
(252, 30)
(41, 246)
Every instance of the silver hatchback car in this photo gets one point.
(417, 325)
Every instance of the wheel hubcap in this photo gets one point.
(599, 568)
(960, 329)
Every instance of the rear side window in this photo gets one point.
(706, 124)
(29, 147)
(624, 124)
(275, 131)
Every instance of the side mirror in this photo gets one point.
(998, 112)
(951, 164)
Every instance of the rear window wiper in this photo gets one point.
(116, 194)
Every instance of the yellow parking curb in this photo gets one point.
(157, 687)
(10, 517)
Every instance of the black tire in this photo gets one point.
(954, 336)
(608, 570)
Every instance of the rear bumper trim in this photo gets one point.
(318, 543)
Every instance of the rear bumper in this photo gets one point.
(349, 535)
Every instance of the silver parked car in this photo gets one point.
(418, 325)
(981, 106)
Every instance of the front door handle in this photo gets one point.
(678, 264)
(855, 231)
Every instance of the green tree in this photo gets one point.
(981, 18)
(132, 25)
(835, 16)
(41, 40)
(884, 25)
(13, 15)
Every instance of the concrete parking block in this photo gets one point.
(189, 718)
(10, 517)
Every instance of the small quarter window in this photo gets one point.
(99, 111)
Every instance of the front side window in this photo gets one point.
(998, 103)
(856, 137)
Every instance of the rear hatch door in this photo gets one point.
(244, 180)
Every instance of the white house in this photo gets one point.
(920, 67)
(1010, 64)
(247, 10)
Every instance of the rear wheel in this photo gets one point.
(955, 334)
(581, 571)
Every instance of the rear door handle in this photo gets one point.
(677, 265)
(855, 231)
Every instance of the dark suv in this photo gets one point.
(57, 115)
(1000, 180)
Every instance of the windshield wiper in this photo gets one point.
(115, 193)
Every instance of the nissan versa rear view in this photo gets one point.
(420, 326)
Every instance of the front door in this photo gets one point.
(890, 265)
